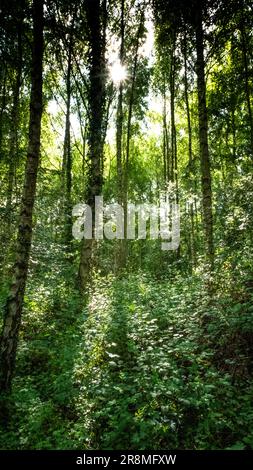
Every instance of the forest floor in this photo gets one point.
(146, 363)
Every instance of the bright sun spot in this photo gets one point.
(118, 73)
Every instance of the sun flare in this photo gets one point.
(118, 73)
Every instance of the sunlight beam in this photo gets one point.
(118, 72)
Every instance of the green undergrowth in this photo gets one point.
(145, 364)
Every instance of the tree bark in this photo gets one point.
(131, 98)
(164, 138)
(119, 135)
(3, 104)
(67, 157)
(192, 179)
(186, 95)
(203, 140)
(128, 136)
(96, 104)
(172, 109)
(13, 149)
(246, 80)
(14, 305)
(166, 153)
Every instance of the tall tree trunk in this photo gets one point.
(203, 140)
(67, 157)
(119, 131)
(174, 161)
(110, 96)
(3, 105)
(246, 79)
(13, 150)
(186, 96)
(120, 252)
(166, 153)
(95, 132)
(164, 137)
(192, 178)
(83, 128)
(108, 91)
(129, 130)
(119, 120)
(233, 106)
(84, 136)
(13, 154)
(172, 110)
(233, 126)
(13, 310)
(120, 261)
(131, 98)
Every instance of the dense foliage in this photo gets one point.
(118, 344)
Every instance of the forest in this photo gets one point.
(115, 336)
